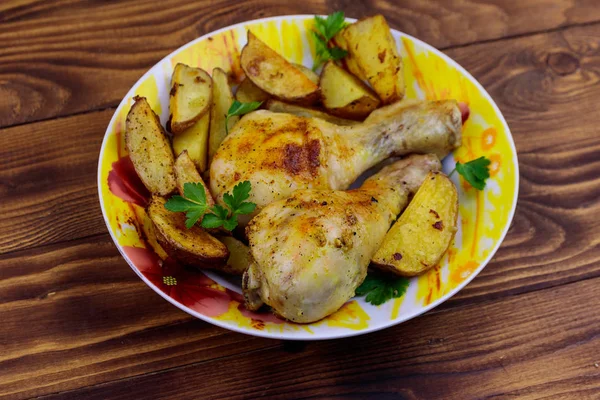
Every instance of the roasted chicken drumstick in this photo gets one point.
(312, 249)
(280, 153)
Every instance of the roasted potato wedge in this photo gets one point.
(192, 246)
(310, 74)
(221, 101)
(423, 233)
(149, 148)
(248, 92)
(239, 256)
(195, 140)
(281, 107)
(185, 171)
(373, 56)
(275, 75)
(344, 95)
(190, 97)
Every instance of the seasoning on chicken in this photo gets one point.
(313, 249)
(280, 153)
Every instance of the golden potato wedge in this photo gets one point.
(275, 75)
(222, 99)
(423, 233)
(373, 56)
(149, 148)
(239, 256)
(247, 92)
(310, 74)
(195, 140)
(193, 246)
(190, 97)
(344, 95)
(185, 171)
(281, 107)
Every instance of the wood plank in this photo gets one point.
(539, 345)
(48, 185)
(56, 60)
(559, 183)
(77, 315)
(91, 320)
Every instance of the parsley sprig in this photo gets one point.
(326, 29)
(193, 203)
(238, 108)
(475, 171)
(379, 288)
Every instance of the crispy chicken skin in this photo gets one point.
(280, 153)
(311, 251)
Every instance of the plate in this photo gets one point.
(484, 216)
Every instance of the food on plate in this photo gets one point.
(239, 256)
(310, 74)
(222, 98)
(282, 172)
(344, 95)
(248, 92)
(423, 233)
(275, 75)
(190, 97)
(194, 140)
(312, 250)
(193, 246)
(324, 30)
(149, 148)
(287, 108)
(280, 153)
(373, 56)
(186, 172)
(194, 203)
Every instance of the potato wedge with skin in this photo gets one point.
(373, 56)
(190, 97)
(344, 95)
(281, 107)
(222, 99)
(423, 233)
(247, 92)
(239, 256)
(149, 148)
(310, 74)
(193, 246)
(195, 140)
(186, 172)
(275, 75)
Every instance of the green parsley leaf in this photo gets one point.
(192, 216)
(179, 204)
(475, 172)
(211, 221)
(194, 192)
(245, 208)
(379, 288)
(326, 29)
(337, 54)
(238, 108)
(194, 205)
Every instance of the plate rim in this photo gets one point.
(297, 335)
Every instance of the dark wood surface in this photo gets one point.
(76, 322)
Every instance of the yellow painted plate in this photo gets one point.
(484, 216)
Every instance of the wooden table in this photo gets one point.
(77, 323)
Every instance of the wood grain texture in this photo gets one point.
(56, 60)
(48, 185)
(533, 346)
(77, 315)
(78, 323)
